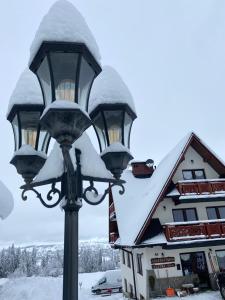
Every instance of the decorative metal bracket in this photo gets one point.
(96, 197)
(53, 191)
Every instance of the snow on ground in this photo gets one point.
(46, 288)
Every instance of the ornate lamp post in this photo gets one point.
(64, 57)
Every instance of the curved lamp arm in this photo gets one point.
(99, 198)
(49, 196)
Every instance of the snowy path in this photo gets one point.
(48, 288)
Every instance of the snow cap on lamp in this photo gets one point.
(64, 23)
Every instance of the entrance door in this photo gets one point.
(195, 263)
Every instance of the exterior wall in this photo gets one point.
(164, 210)
(193, 160)
(165, 215)
(164, 277)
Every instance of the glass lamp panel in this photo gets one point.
(127, 127)
(86, 78)
(15, 127)
(43, 141)
(43, 74)
(29, 121)
(100, 130)
(64, 69)
(114, 121)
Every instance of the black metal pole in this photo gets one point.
(70, 271)
(72, 185)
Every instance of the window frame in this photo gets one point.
(128, 260)
(123, 258)
(193, 173)
(217, 211)
(139, 263)
(125, 285)
(185, 214)
(219, 250)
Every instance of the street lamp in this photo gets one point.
(112, 112)
(31, 141)
(65, 58)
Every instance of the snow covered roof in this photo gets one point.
(64, 23)
(109, 88)
(27, 91)
(142, 195)
(6, 201)
(91, 163)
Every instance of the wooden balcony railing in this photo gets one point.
(193, 230)
(201, 187)
(113, 236)
(112, 214)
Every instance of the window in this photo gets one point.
(184, 215)
(217, 212)
(123, 257)
(220, 254)
(125, 285)
(139, 264)
(131, 290)
(193, 174)
(128, 259)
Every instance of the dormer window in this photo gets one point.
(193, 174)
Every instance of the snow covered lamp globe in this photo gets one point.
(112, 111)
(31, 141)
(65, 58)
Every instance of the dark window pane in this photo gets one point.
(16, 132)
(114, 125)
(222, 212)
(191, 214)
(29, 124)
(221, 259)
(178, 215)
(199, 174)
(211, 212)
(187, 175)
(139, 264)
(64, 68)
(85, 81)
(100, 129)
(44, 78)
(186, 262)
(127, 127)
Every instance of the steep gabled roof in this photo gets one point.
(135, 208)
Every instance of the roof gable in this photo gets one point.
(142, 196)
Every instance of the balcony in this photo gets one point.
(201, 186)
(200, 190)
(112, 214)
(184, 231)
(113, 236)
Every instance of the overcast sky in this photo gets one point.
(171, 54)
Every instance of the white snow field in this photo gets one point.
(49, 288)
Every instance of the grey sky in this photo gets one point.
(171, 54)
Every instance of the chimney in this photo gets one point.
(142, 169)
